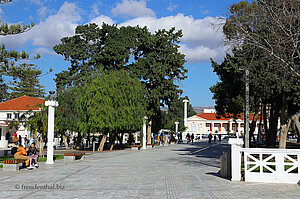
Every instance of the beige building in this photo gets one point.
(205, 123)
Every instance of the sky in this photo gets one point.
(200, 20)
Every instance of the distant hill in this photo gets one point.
(199, 109)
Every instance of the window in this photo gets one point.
(8, 115)
(17, 116)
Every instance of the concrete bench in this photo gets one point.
(136, 147)
(73, 156)
(150, 146)
(12, 165)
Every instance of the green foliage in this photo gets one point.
(175, 113)
(36, 121)
(159, 65)
(152, 58)
(110, 103)
(66, 115)
(26, 81)
(7, 57)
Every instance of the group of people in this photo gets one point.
(29, 154)
(215, 138)
(190, 138)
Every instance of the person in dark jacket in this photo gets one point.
(209, 138)
(32, 153)
(192, 137)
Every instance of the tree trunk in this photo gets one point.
(253, 126)
(111, 146)
(284, 129)
(284, 122)
(295, 119)
(149, 141)
(273, 123)
(65, 142)
(267, 132)
(103, 140)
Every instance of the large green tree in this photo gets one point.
(270, 29)
(8, 57)
(26, 81)
(159, 66)
(151, 57)
(112, 103)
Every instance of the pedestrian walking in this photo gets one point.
(188, 137)
(209, 138)
(215, 138)
(192, 137)
(219, 137)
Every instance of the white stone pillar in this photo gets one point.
(238, 130)
(185, 112)
(236, 145)
(176, 127)
(51, 106)
(212, 127)
(136, 137)
(144, 132)
(230, 126)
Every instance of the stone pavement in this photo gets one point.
(174, 171)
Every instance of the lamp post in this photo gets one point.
(51, 106)
(246, 118)
(144, 131)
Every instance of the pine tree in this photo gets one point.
(7, 57)
(26, 81)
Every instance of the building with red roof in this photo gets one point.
(205, 123)
(11, 110)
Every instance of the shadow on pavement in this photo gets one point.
(202, 154)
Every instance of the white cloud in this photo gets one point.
(42, 11)
(172, 7)
(48, 32)
(36, 2)
(95, 10)
(103, 19)
(132, 8)
(201, 41)
(44, 51)
(205, 12)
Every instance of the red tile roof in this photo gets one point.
(21, 104)
(214, 116)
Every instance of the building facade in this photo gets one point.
(206, 123)
(12, 111)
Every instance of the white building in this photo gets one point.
(11, 111)
(205, 123)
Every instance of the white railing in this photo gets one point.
(266, 165)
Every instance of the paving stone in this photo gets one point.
(167, 172)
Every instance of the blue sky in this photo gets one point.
(55, 19)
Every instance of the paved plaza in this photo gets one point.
(174, 171)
